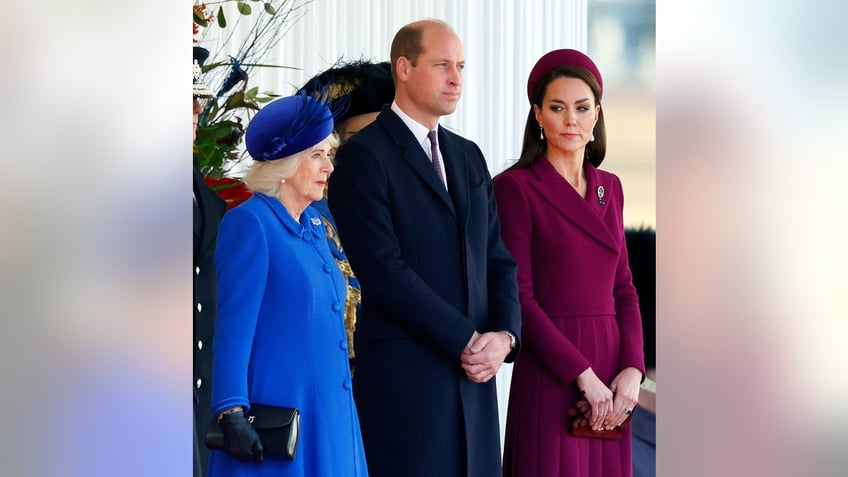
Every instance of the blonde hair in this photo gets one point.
(265, 176)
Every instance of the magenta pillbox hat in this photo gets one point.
(563, 57)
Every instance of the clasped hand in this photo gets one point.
(608, 407)
(484, 354)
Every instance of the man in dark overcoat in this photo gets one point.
(414, 207)
(208, 210)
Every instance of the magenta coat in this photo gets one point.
(579, 309)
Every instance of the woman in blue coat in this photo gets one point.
(280, 336)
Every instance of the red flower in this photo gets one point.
(202, 18)
(232, 190)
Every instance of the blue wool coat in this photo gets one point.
(280, 338)
(433, 269)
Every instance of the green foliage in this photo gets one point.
(222, 20)
(243, 8)
(198, 19)
(221, 125)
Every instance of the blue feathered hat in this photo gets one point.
(287, 126)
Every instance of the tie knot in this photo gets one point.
(432, 136)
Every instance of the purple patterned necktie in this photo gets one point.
(434, 153)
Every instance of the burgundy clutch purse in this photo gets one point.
(577, 427)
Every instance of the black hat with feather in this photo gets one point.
(353, 88)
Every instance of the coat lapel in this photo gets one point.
(208, 210)
(585, 213)
(414, 154)
(198, 214)
(456, 174)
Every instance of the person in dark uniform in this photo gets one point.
(355, 92)
(642, 249)
(208, 210)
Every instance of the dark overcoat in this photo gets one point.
(433, 269)
(208, 210)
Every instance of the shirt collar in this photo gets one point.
(418, 130)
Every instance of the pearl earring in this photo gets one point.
(282, 181)
(541, 133)
(591, 139)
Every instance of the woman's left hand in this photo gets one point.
(625, 388)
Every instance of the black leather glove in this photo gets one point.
(240, 438)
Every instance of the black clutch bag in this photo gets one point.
(278, 429)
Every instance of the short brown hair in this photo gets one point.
(407, 42)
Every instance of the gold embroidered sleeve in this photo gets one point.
(352, 300)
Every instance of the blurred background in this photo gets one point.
(94, 256)
(622, 41)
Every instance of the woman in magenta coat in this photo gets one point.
(562, 221)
